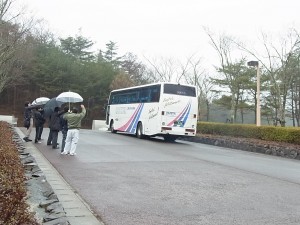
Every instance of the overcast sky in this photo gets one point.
(169, 28)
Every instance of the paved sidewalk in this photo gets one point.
(78, 212)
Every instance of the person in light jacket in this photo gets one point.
(74, 124)
(28, 120)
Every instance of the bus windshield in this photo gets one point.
(177, 89)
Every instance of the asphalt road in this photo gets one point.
(130, 181)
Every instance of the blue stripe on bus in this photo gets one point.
(186, 115)
(132, 127)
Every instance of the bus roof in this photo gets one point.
(147, 85)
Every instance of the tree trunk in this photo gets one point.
(207, 108)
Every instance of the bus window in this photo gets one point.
(144, 95)
(132, 97)
(177, 89)
(155, 94)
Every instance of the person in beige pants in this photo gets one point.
(74, 124)
(28, 120)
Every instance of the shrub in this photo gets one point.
(281, 134)
(13, 207)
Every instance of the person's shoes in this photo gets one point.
(56, 147)
(63, 153)
(51, 144)
(73, 154)
(26, 139)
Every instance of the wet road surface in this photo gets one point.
(126, 180)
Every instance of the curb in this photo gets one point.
(77, 210)
(269, 148)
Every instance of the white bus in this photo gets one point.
(161, 109)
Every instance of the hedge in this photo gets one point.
(13, 207)
(269, 133)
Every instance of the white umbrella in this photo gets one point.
(40, 101)
(69, 96)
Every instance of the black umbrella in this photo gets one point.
(50, 106)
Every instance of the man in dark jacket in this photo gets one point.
(54, 126)
(39, 123)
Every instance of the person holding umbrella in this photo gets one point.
(74, 124)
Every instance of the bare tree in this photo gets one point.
(193, 73)
(277, 61)
(136, 70)
(163, 69)
(122, 80)
(12, 43)
(229, 69)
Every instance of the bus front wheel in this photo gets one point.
(139, 131)
(111, 127)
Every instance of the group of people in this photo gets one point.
(67, 121)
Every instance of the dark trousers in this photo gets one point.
(64, 136)
(54, 138)
(49, 141)
(38, 133)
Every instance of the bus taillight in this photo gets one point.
(195, 115)
(162, 113)
(166, 128)
(190, 130)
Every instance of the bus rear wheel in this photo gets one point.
(111, 127)
(139, 131)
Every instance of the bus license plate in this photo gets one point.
(178, 123)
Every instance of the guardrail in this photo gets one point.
(99, 125)
(10, 119)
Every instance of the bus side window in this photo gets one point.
(112, 100)
(154, 96)
(144, 99)
(144, 96)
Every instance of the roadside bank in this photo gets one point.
(281, 149)
(49, 192)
